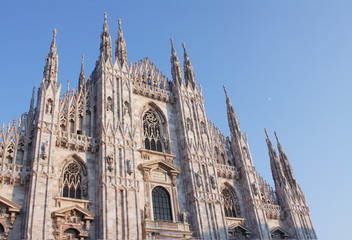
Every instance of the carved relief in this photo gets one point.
(72, 223)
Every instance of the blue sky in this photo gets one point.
(287, 66)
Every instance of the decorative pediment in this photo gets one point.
(8, 210)
(278, 233)
(160, 169)
(12, 207)
(72, 222)
(61, 212)
(154, 164)
(238, 231)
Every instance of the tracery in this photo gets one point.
(151, 130)
(72, 181)
(229, 206)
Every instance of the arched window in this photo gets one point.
(151, 129)
(72, 181)
(229, 206)
(161, 204)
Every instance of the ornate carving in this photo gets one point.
(72, 222)
(7, 215)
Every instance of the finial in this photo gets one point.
(119, 22)
(184, 47)
(266, 133)
(105, 17)
(224, 89)
(277, 139)
(68, 85)
(54, 33)
(172, 42)
(82, 64)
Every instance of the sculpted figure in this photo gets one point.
(212, 181)
(45, 150)
(184, 216)
(199, 179)
(146, 211)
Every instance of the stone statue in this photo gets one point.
(129, 167)
(45, 150)
(166, 142)
(146, 211)
(85, 188)
(184, 216)
(212, 181)
(110, 162)
(199, 179)
(49, 107)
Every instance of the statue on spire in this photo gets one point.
(176, 69)
(105, 44)
(232, 116)
(121, 50)
(82, 77)
(51, 64)
(188, 69)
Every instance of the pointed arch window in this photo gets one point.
(151, 130)
(229, 206)
(72, 181)
(161, 204)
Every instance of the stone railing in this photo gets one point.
(273, 211)
(13, 172)
(153, 92)
(76, 141)
(166, 230)
(226, 171)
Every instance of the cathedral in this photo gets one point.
(129, 154)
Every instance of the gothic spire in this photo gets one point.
(176, 69)
(121, 50)
(51, 64)
(105, 44)
(231, 116)
(275, 164)
(285, 163)
(188, 69)
(82, 77)
(31, 107)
